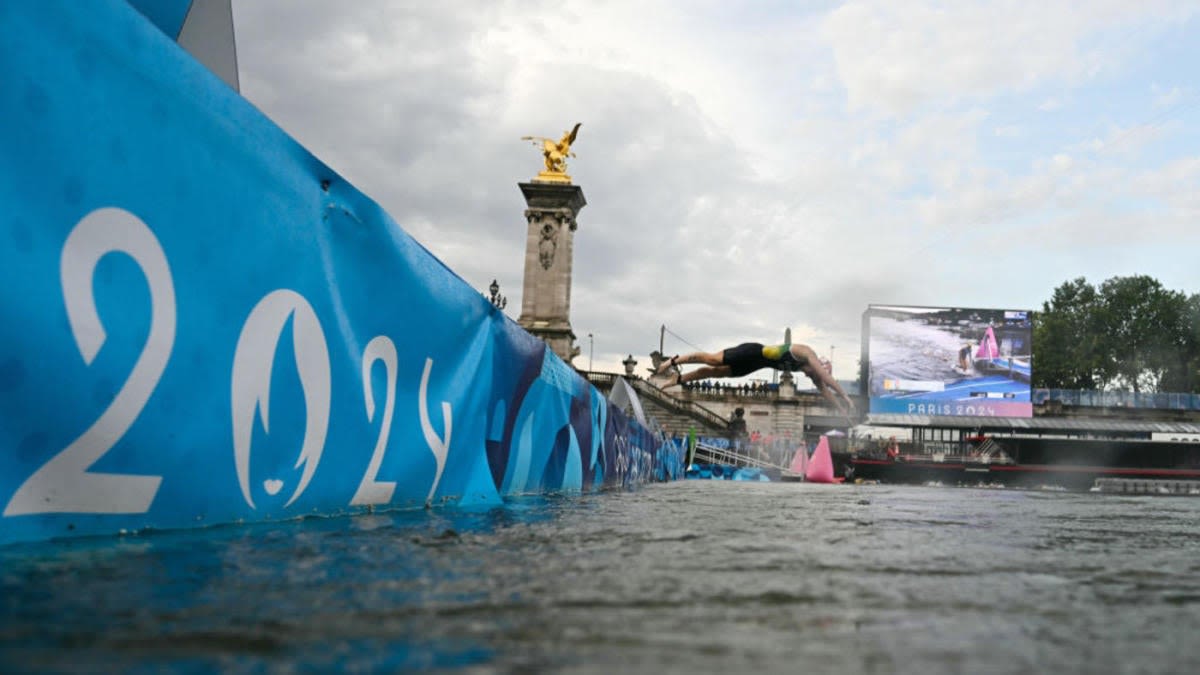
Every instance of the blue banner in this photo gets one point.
(202, 323)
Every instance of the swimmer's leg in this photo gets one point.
(707, 358)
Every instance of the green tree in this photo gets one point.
(1129, 333)
(1144, 336)
(1192, 346)
(1064, 340)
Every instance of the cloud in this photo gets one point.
(1050, 105)
(1166, 99)
(1173, 184)
(747, 167)
(895, 57)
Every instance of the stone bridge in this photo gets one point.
(782, 411)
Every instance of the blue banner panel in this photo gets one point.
(202, 323)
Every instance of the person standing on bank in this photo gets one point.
(751, 356)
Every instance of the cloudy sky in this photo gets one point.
(756, 166)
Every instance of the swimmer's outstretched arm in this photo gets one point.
(824, 381)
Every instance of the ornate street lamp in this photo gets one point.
(498, 301)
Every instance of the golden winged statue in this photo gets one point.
(555, 153)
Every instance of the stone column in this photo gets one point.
(787, 383)
(549, 258)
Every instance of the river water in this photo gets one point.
(912, 350)
(693, 576)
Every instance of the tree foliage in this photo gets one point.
(1064, 342)
(1128, 333)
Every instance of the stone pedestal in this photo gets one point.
(549, 259)
(656, 360)
(787, 385)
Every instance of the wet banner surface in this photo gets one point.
(202, 323)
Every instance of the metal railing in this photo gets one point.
(1118, 399)
(660, 398)
(715, 455)
(773, 452)
(689, 408)
(989, 451)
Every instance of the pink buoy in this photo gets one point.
(820, 468)
(800, 461)
(988, 349)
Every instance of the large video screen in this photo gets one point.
(948, 361)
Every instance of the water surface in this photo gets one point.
(694, 576)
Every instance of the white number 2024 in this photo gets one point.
(65, 485)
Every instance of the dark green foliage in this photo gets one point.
(1064, 342)
(1130, 333)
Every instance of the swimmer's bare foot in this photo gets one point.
(667, 365)
(676, 378)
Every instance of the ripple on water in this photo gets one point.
(692, 576)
